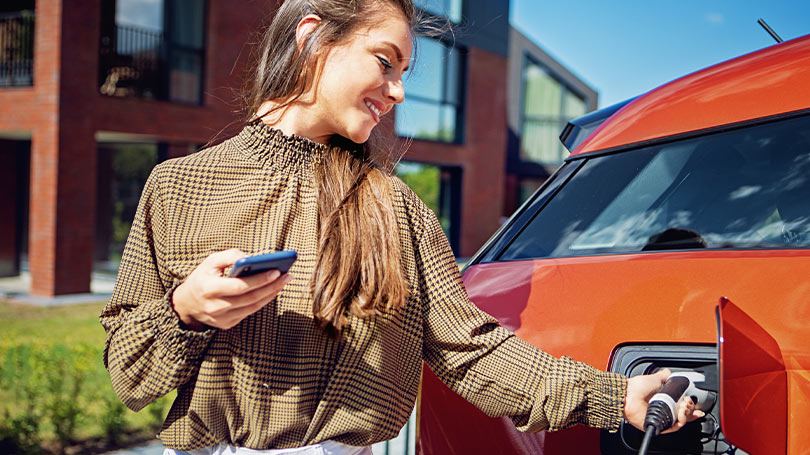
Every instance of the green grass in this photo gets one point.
(67, 324)
(41, 345)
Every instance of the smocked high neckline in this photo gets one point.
(271, 147)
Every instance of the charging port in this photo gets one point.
(703, 436)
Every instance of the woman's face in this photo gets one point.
(361, 79)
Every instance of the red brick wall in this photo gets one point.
(64, 111)
(44, 148)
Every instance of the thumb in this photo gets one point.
(663, 375)
(656, 381)
(222, 259)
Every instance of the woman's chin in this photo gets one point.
(359, 136)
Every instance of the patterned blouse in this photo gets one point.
(275, 380)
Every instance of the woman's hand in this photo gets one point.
(208, 298)
(639, 391)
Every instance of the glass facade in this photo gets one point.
(439, 188)
(185, 36)
(449, 8)
(145, 14)
(547, 106)
(432, 105)
(122, 172)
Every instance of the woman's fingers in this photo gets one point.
(226, 312)
(208, 297)
(219, 261)
(238, 286)
(237, 314)
(639, 391)
(686, 413)
(266, 291)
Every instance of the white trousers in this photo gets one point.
(324, 448)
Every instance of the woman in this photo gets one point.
(326, 358)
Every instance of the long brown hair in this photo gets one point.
(358, 270)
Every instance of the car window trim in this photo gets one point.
(504, 245)
(691, 134)
(522, 218)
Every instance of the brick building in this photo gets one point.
(93, 93)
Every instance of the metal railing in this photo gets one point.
(130, 63)
(134, 61)
(17, 48)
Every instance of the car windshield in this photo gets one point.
(744, 188)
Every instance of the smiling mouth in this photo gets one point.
(373, 110)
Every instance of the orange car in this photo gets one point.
(677, 234)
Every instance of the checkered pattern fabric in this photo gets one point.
(276, 380)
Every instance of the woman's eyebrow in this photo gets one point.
(398, 53)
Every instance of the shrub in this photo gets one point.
(113, 418)
(20, 435)
(21, 373)
(66, 371)
(58, 396)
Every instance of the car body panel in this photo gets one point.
(663, 296)
(588, 306)
(667, 300)
(765, 83)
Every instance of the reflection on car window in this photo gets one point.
(746, 188)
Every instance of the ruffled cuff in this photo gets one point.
(173, 340)
(604, 395)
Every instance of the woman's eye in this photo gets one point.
(385, 63)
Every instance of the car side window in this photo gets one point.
(747, 188)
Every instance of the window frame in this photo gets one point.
(108, 51)
(527, 60)
(449, 198)
(460, 105)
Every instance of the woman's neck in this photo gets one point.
(293, 119)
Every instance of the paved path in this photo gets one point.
(15, 289)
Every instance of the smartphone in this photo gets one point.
(250, 265)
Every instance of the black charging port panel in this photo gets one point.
(699, 437)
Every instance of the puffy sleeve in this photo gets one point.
(148, 352)
(495, 370)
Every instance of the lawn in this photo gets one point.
(69, 324)
(55, 395)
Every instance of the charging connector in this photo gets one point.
(662, 410)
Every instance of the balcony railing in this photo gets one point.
(139, 62)
(129, 63)
(17, 48)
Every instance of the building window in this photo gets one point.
(439, 188)
(432, 106)
(153, 49)
(547, 106)
(122, 172)
(17, 43)
(449, 8)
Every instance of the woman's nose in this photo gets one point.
(396, 91)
